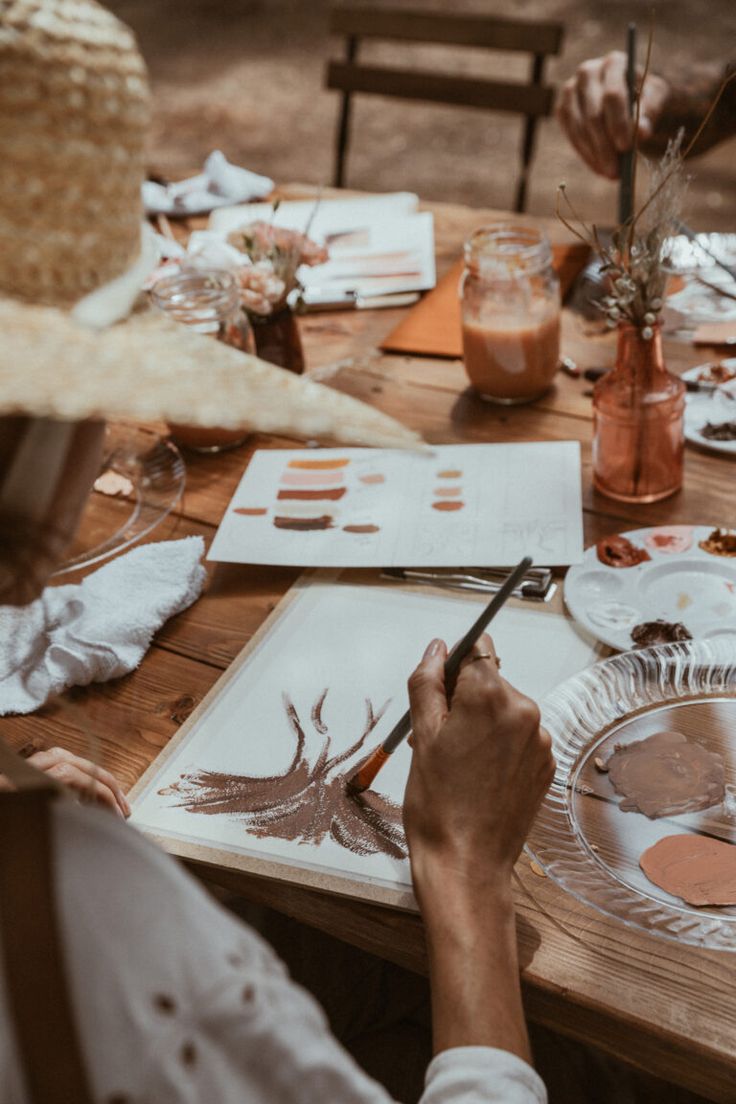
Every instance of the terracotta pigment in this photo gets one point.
(312, 495)
(318, 465)
(673, 539)
(303, 525)
(372, 478)
(251, 511)
(721, 542)
(307, 802)
(448, 492)
(699, 869)
(617, 551)
(450, 473)
(666, 774)
(649, 633)
(361, 528)
(446, 505)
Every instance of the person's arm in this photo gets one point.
(479, 771)
(593, 111)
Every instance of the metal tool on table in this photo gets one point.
(536, 586)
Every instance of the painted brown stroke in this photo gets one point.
(312, 494)
(303, 525)
(308, 802)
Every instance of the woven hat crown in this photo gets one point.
(74, 111)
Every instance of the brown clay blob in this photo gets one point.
(666, 774)
(617, 551)
(699, 869)
(649, 633)
(721, 542)
(309, 801)
(721, 431)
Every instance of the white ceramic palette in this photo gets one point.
(715, 407)
(679, 583)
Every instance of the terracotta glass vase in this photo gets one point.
(278, 340)
(638, 410)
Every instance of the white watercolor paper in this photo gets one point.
(479, 505)
(357, 642)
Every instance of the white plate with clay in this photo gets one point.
(678, 581)
(717, 407)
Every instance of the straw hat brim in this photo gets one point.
(149, 368)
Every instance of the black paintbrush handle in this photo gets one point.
(626, 162)
(462, 649)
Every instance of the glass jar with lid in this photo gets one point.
(510, 300)
(206, 299)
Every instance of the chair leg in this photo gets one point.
(343, 123)
(527, 144)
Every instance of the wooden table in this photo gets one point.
(666, 1009)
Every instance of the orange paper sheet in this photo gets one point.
(433, 327)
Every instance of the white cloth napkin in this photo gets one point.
(100, 629)
(220, 184)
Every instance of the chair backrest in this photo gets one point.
(533, 100)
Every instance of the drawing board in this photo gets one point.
(485, 505)
(255, 779)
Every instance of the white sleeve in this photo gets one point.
(481, 1075)
(178, 1002)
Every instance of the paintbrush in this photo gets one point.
(366, 773)
(627, 160)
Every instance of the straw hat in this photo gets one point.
(74, 109)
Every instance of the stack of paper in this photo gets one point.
(379, 245)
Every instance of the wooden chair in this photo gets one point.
(533, 100)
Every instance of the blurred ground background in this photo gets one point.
(246, 76)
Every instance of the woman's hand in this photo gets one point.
(593, 111)
(90, 782)
(479, 770)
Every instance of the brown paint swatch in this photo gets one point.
(448, 492)
(308, 802)
(452, 505)
(449, 473)
(303, 525)
(251, 511)
(313, 495)
(666, 774)
(699, 869)
(319, 465)
(361, 528)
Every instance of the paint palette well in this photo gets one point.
(582, 838)
(141, 480)
(717, 407)
(678, 582)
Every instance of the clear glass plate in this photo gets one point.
(581, 838)
(156, 474)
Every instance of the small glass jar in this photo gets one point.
(510, 299)
(206, 299)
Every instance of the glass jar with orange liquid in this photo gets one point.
(510, 299)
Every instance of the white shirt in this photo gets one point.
(177, 1001)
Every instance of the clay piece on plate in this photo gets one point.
(699, 869)
(722, 431)
(649, 633)
(715, 373)
(721, 542)
(618, 551)
(665, 775)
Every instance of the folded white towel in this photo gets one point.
(100, 629)
(219, 185)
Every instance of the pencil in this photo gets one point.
(366, 773)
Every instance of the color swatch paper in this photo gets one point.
(480, 505)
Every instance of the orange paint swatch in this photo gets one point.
(251, 511)
(448, 492)
(452, 505)
(450, 473)
(319, 465)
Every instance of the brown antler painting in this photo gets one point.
(308, 802)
